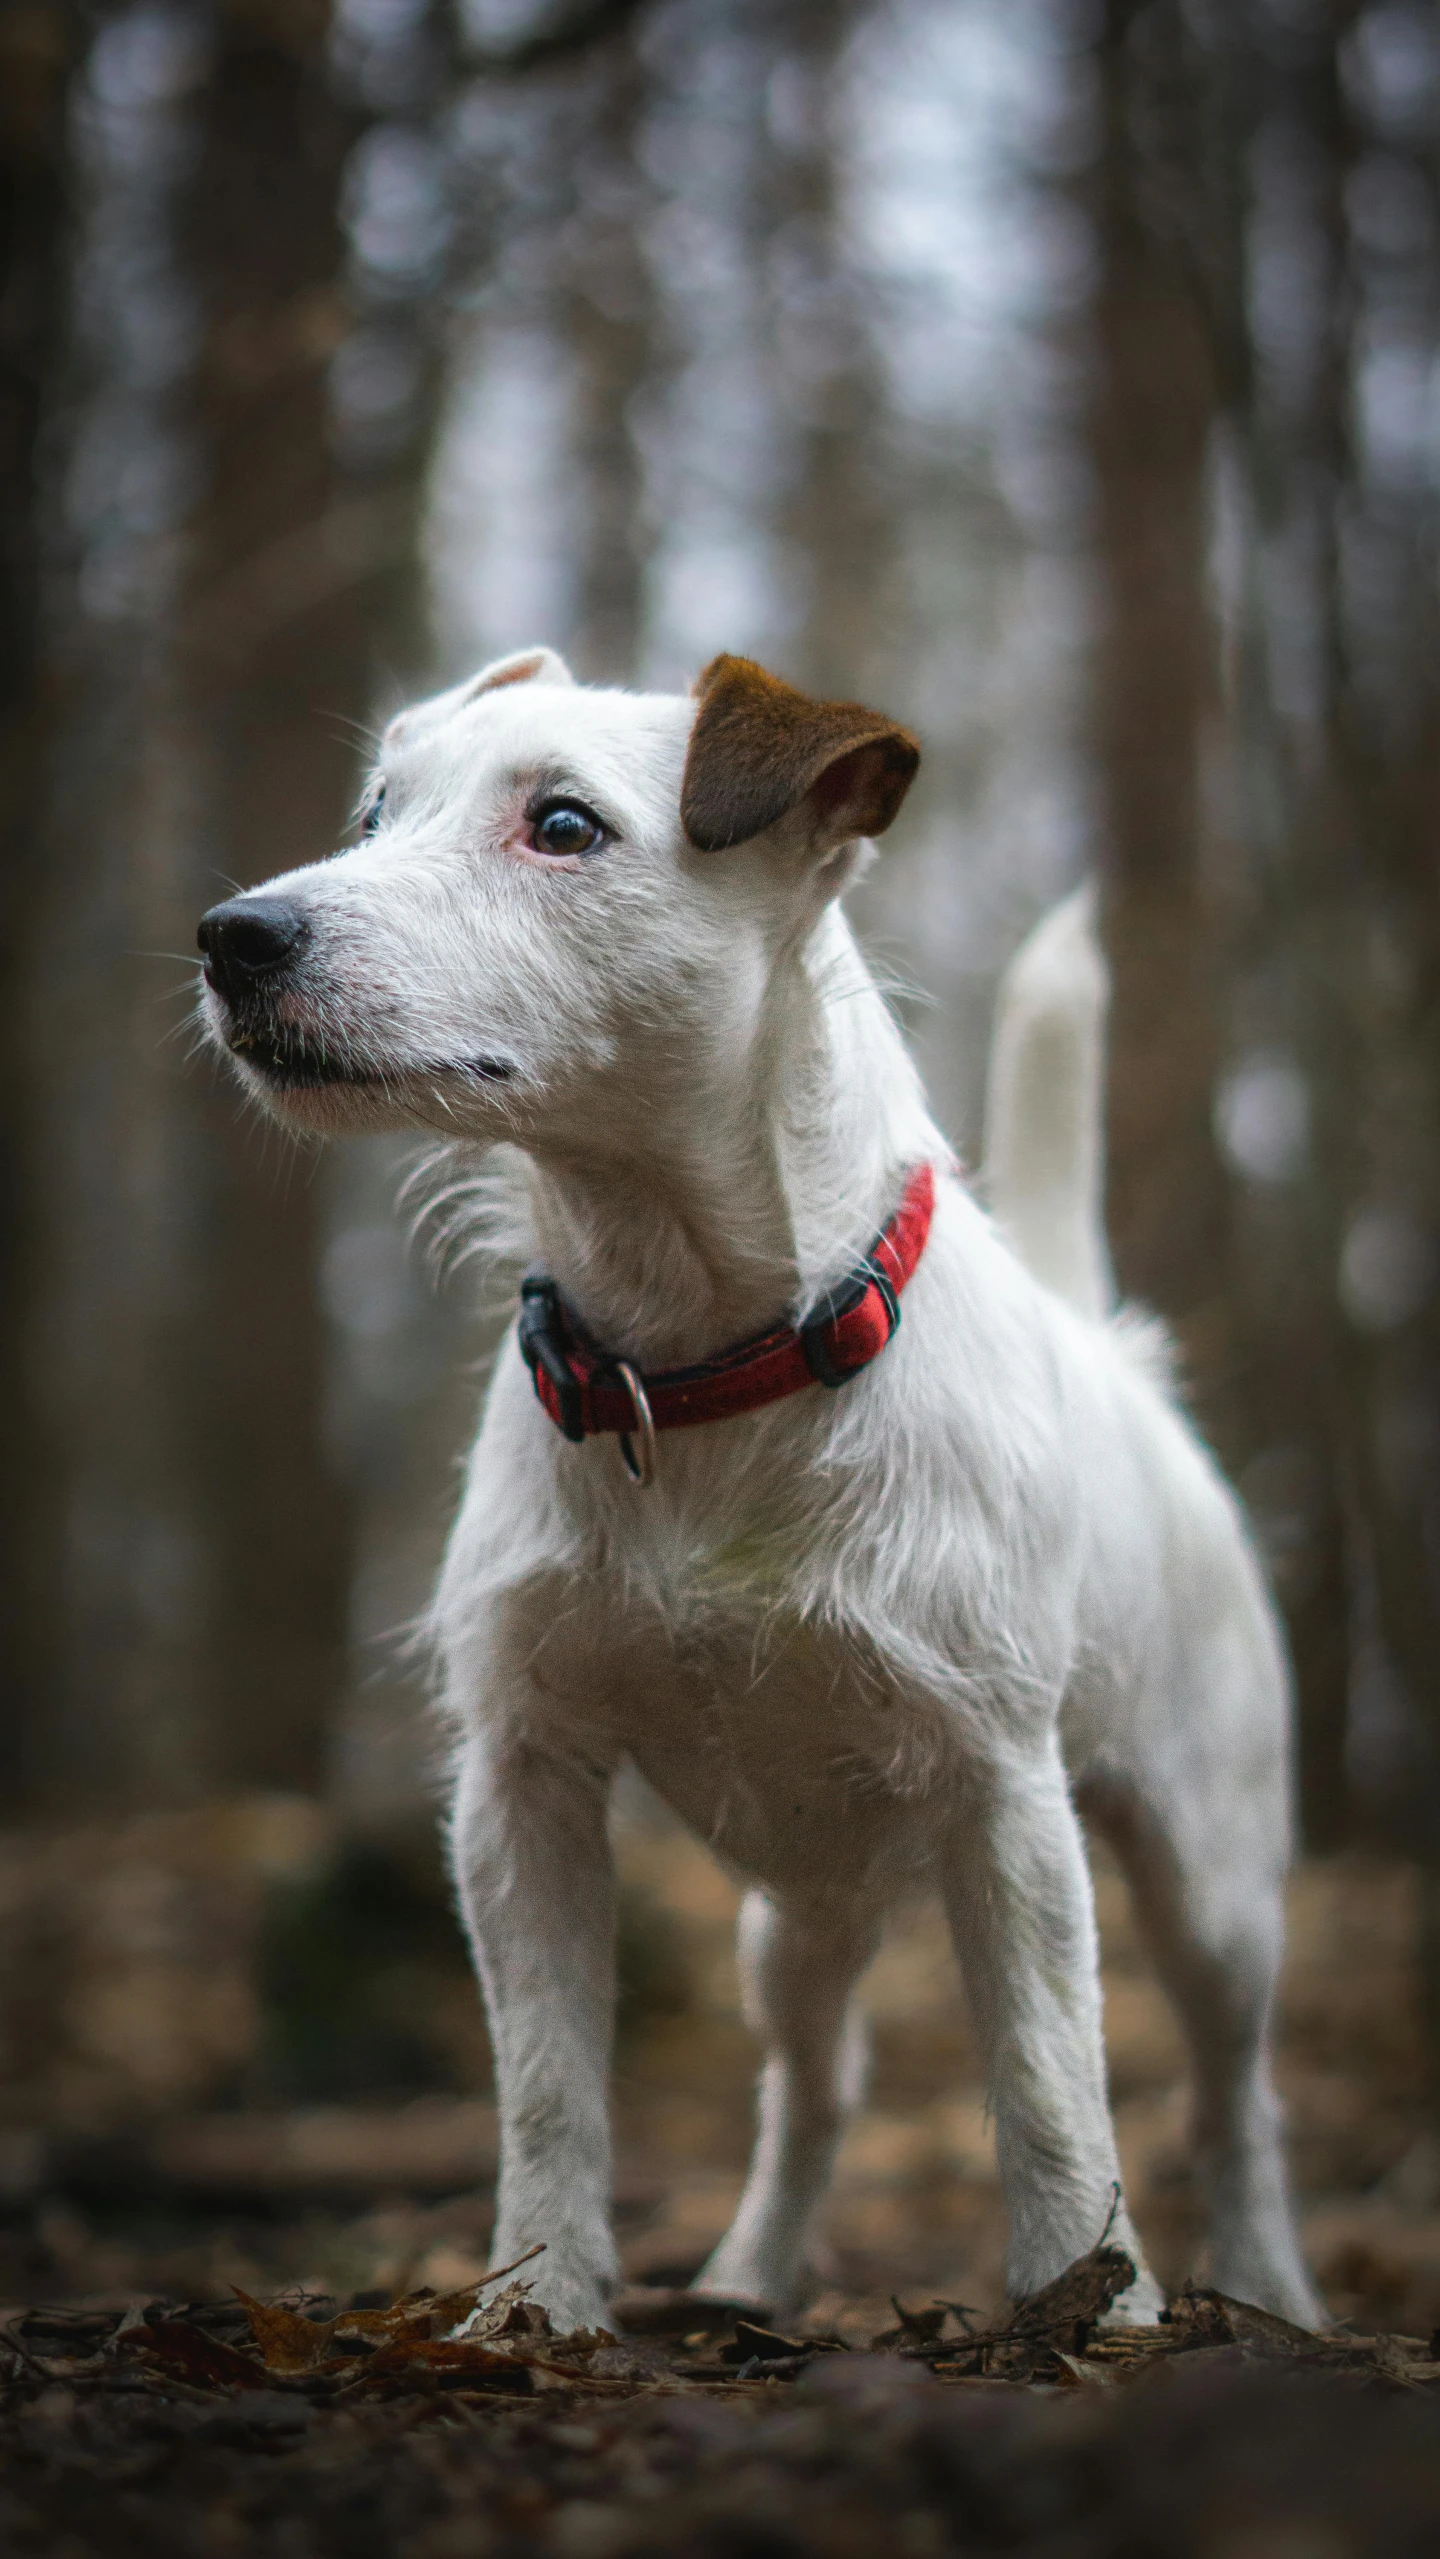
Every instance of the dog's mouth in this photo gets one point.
(288, 1058)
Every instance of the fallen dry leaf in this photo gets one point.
(1076, 2299)
(291, 2343)
(288, 2341)
(191, 2356)
(1084, 2375)
(511, 2313)
(1240, 2323)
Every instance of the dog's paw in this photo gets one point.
(741, 2275)
(573, 2301)
(571, 2296)
(1280, 2286)
(1139, 2306)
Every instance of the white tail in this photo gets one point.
(1044, 1116)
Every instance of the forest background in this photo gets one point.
(1063, 377)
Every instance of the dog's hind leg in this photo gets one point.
(1017, 1888)
(799, 1963)
(1208, 1897)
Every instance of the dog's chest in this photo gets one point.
(780, 1744)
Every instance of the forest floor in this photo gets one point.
(131, 2230)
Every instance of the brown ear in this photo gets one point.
(759, 747)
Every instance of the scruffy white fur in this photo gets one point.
(867, 1643)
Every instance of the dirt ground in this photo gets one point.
(240, 2428)
(160, 2145)
(142, 2146)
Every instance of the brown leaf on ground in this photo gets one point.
(767, 2345)
(292, 2343)
(189, 2355)
(1082, 2374)
(511, 2314)
(1075, 2299)
(287, 2340)
(1201, 2316)
(1056, 2322)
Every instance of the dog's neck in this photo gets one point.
(748, 1175)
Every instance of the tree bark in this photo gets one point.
(1199, 912)
(211, 641)
(37, 52)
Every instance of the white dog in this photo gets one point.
(873, 1615)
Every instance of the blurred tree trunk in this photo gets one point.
(607, 320)
(1193, 908)
(1290, 821)
(37, 49)
(192, 1572)
(272, 661)
(1151, 414)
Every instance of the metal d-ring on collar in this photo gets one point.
(586, 1391)
(640, 1470)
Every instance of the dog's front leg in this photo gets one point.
(537, 1886)
(1017, 1886)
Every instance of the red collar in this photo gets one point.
(585, 1390)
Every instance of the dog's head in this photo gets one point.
(556, 890)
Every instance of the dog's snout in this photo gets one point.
(248, 939)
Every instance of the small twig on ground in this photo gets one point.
(497, 2271)
(964, 2311)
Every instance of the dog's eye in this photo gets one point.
(370, 810)
(566, 826)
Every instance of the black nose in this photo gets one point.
(248, 939)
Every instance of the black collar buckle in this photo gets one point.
(837, 1302)
(541, 1347)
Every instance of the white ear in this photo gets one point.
(524, 666)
